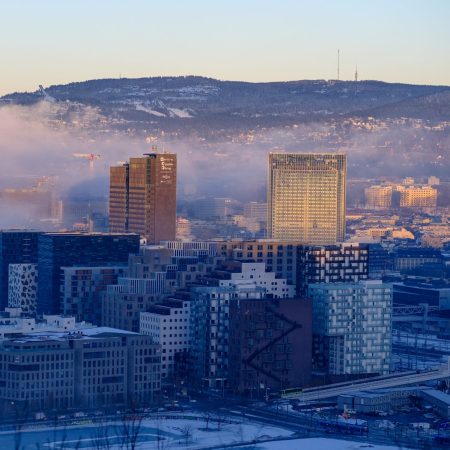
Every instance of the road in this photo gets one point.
(331, 391)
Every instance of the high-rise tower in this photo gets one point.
(142, 197)
(306, 197)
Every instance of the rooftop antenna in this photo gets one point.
(338, 66)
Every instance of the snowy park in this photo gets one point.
(195, 432)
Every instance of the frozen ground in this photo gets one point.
(159, 433)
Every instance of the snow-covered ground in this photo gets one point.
(162, 433)
(320, 444)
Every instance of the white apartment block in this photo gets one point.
(253, 274)
(352, 325)
(168, 324)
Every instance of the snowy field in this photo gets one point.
(318, 444)
(163, 434)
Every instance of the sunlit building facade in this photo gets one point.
(418, 197)
(378, 196)
(143, 197)
(306, 197)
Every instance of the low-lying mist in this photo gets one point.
(32, 148)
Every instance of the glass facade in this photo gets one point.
(69, 249)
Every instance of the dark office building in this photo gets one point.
(380, 261)
(342, 263)
(16, 247)
(408, 259)
(270, 345)
(56, 250)
(415, 292)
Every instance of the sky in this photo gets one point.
(53, 42)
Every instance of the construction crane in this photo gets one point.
(89, 156)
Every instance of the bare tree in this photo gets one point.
(220, 418)
(162, 442)
(207, 416)
(130, 429)
(187, 431)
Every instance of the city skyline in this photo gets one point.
(55, 43)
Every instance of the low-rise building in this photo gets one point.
(13, 322)
(439, 400)
(380, 400)
(87, 368)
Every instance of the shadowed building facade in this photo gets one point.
(58, 250)
(16, 247)
(142, 197)
(306, 197)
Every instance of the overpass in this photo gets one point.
(333, 390)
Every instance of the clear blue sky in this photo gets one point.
(58, 41)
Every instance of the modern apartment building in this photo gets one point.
(306, 197)
(122, 303)
(270, 345)
(279, 256)
(143, 197)
(210, 329)
(56, 250)
(211, 305)
(82, 288)
(343, 263)
(249, 274)
(154, 273)
(22, 287)
(352, 326)
(16, 247)
(168, 323)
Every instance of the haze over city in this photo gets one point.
(225, 224)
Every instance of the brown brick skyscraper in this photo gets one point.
(143, 196)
